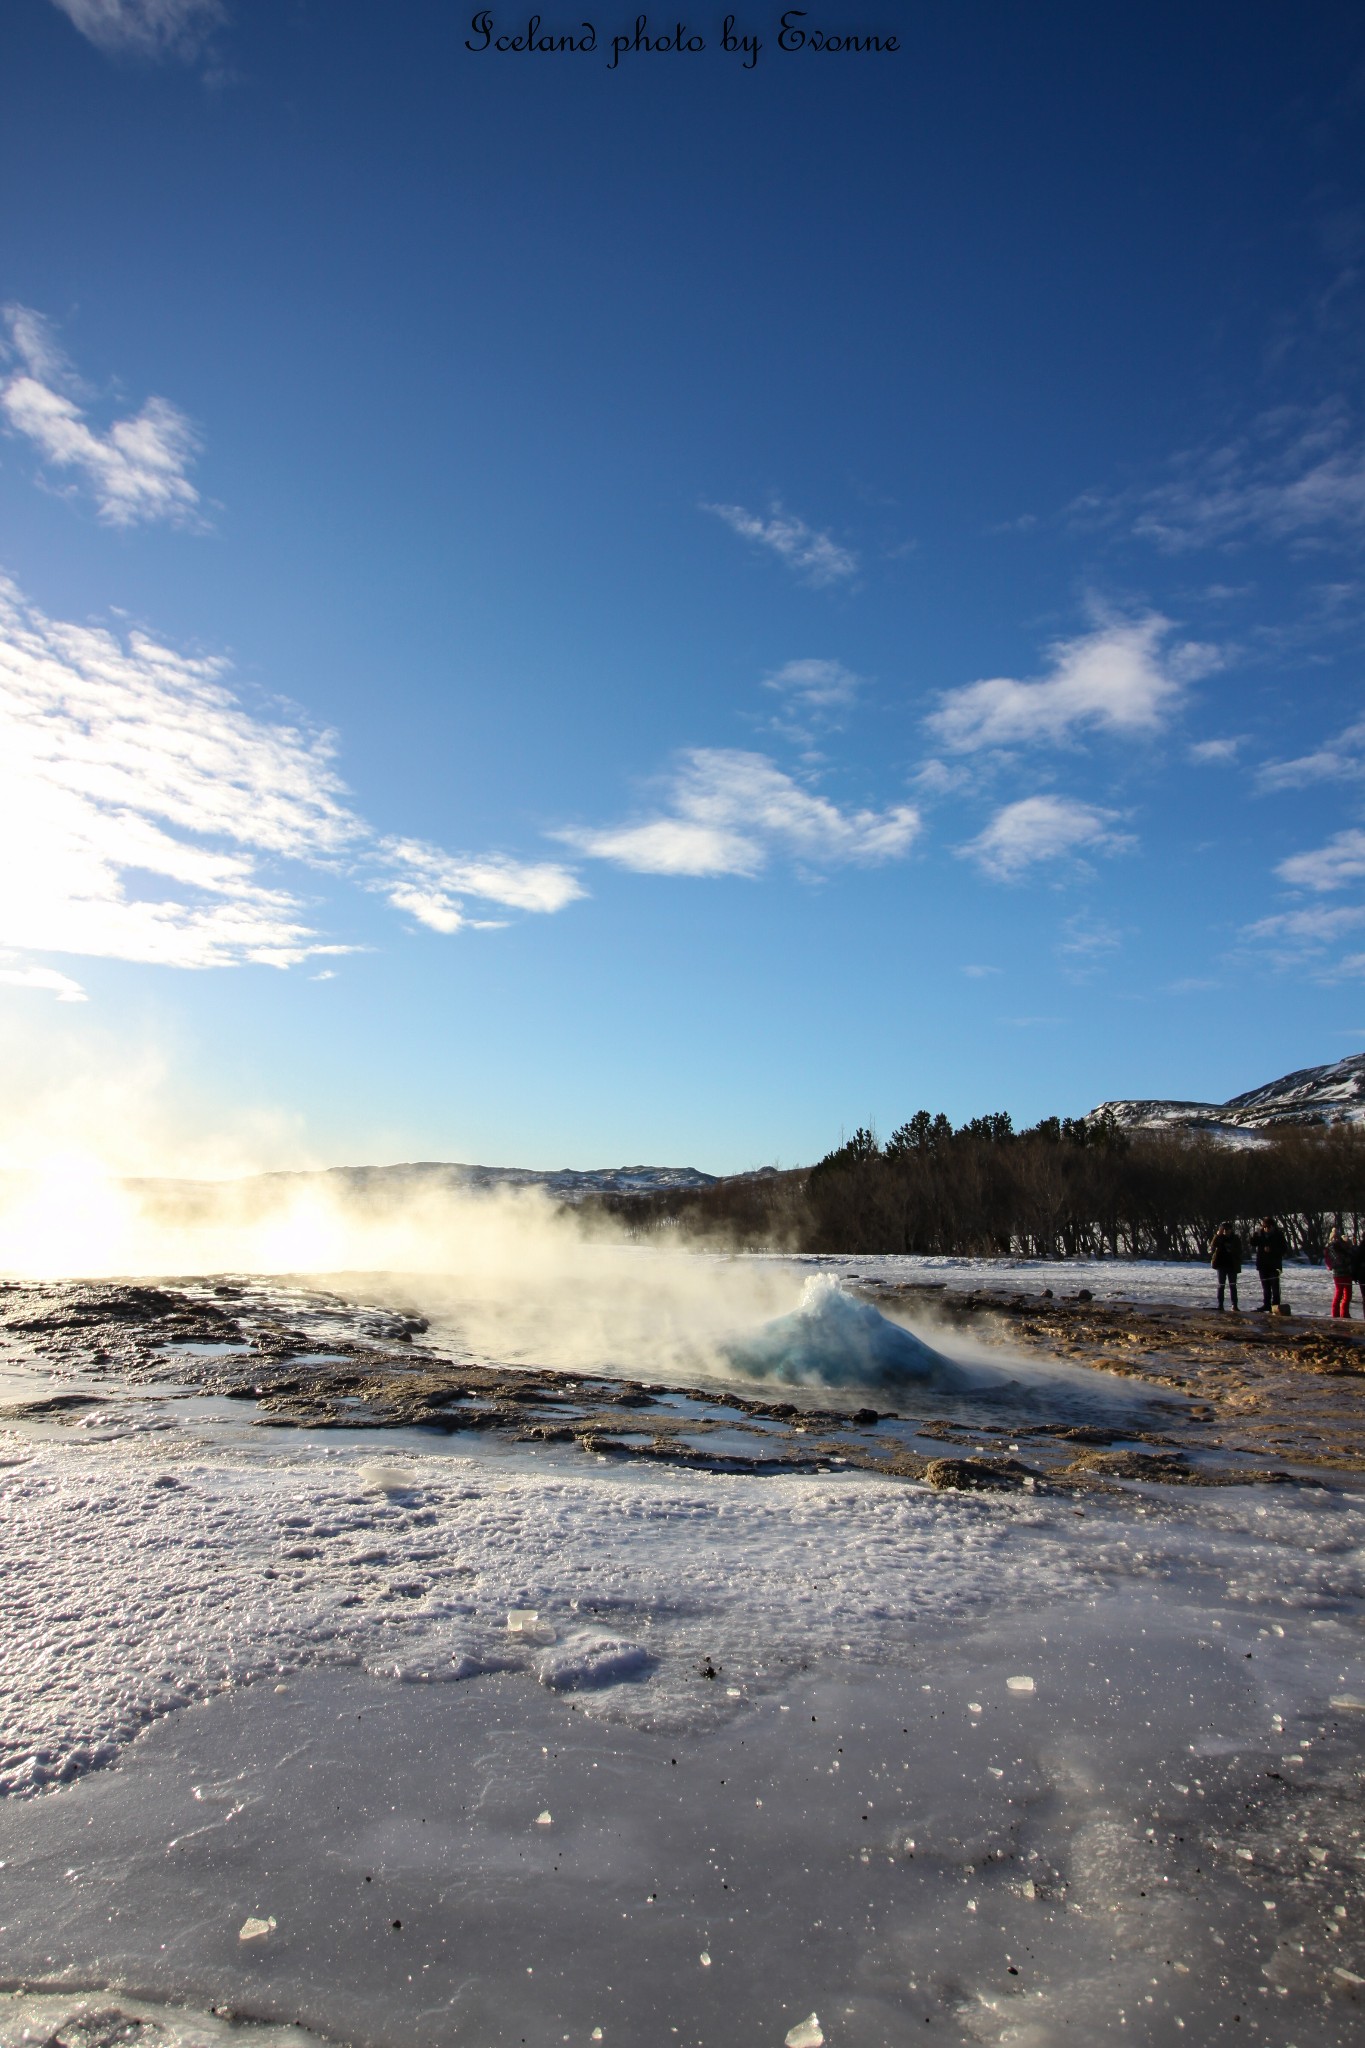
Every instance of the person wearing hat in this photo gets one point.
(1341, 1264)
(1225, 1256)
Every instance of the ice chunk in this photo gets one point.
(1350, 1700)
(544, 1820)
(807, 2034)
(253, 1929)
(705, 1960)
(520, 1619)
(586, 1661)
(833, 1340)
(1021, 1683)
(388, 1478)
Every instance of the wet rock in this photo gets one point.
(1165, 1466)
(976, 1475)
(51, 1404)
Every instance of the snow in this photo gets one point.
(1329, 1095)
(1308, 1289)
(496, 1743)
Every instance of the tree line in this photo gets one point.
(1066, 1187)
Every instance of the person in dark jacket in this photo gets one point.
(1268, 1249)
(1340, 1261)
(1225, 1256)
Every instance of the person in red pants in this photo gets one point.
(1340, 1263)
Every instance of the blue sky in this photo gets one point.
(564, 615)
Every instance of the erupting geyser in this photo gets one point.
(833, 1340)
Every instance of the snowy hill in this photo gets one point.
(377, 1185)
(1333, 1094)
(567, 1183)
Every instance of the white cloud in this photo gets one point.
(1089, 938)
(980, 973)
(1214, 753)
(1317, 926)
(1114, 679)
(135, 471)
(1042, 828)
(1332, 866)
(1309, 938)
(1342, 761)
(429, 884)
(142, 810)
(145, 28)
(936, 778)
(729, 812)
(813, 556)
(816, 685)
(48, 978)
(1297, 473)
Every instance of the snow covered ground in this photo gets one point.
(1307, 1289)
(417, 1743)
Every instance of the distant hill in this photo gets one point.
(378, 1183)
(1333, 1094)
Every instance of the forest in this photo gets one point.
(1062, 1188)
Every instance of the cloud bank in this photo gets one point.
(136, 472)
(729, 813)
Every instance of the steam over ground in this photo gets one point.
(510, 1276)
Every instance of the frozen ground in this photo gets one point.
(1307, 1289)
(752, 1752)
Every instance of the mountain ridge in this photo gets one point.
(1326, 1095)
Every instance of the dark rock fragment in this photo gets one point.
(976, 1475)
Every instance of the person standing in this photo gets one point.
(1268, 1249)
(1225, 1256)
(1341, 1264)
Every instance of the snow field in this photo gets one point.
(135, 1580)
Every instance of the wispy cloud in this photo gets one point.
(1114, 679)
(815, 557)
(1043, 828)
(1297, 474)
(1343, 761)
(144, 813)
(146, 28)
(1214, 753)
(431, 885)
(815, 685)
(136, 471)
(1089, 938)
(1309, 940)
(728, 813)
(1333, 866)
(48, 979)
(815, 698)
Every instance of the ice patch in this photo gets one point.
(584, 1662)
(832, 1340)
(387, 1479)
(77, 2021)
